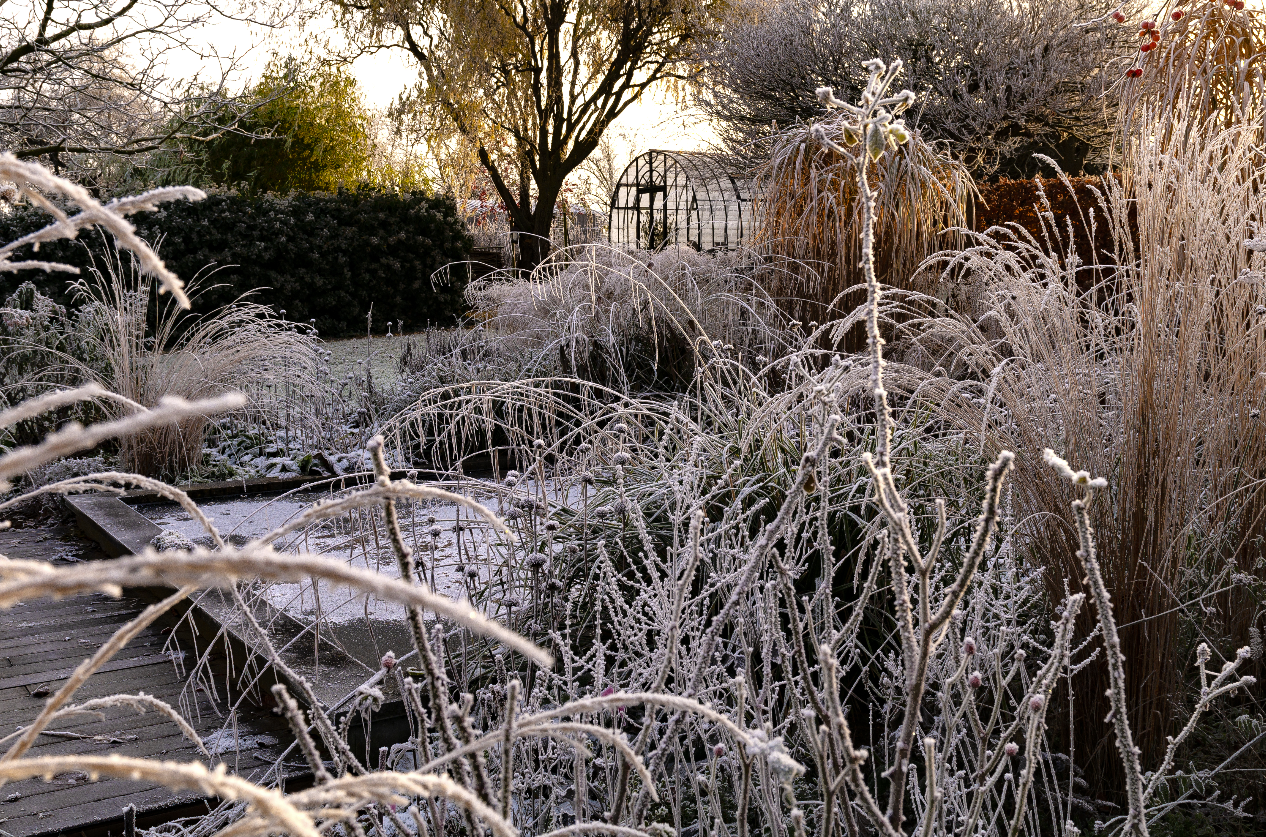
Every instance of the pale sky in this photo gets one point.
(655, 121)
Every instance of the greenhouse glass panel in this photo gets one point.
(678, 197)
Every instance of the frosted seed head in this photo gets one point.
(1036, 702)
(969, 646)
(1011, 748)
(621, 458)
(389, 660)
(974, 680)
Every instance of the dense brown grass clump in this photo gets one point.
(1149, 368)
(808, 208)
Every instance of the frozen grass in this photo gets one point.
(792, 596)
(348, 357)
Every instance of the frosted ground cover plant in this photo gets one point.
(741, 610)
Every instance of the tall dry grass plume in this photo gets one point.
(809, 212)
(150, 348)
(1148, 368)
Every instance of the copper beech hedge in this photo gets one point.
(1018, 201)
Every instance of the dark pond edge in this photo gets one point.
(474, 467)
(121, 530)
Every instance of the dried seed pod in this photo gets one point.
(876, 141)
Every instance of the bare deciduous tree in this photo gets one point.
(997, 80)
(85, 81)
(533, 86)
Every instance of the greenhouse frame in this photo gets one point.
(680, 197)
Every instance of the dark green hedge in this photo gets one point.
(323, 257)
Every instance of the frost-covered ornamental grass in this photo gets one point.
(778, 601)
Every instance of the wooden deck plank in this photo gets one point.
(106, 806)
(34, 652)
(22, 630)
(58, 654)
(170, 747)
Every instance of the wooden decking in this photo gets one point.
(42, 642)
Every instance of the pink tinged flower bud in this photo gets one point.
(389, 661)
(1011, 748)
(1036, 703)
(718, 751)
(974, 680)
(969, 646)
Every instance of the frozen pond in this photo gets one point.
(456, 552)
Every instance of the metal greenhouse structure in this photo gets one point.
(680, 197)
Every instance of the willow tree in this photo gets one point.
(533, 84)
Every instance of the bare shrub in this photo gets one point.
(1206, 62)
(998, 80)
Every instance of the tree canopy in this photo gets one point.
(533, 85)
(308, 130)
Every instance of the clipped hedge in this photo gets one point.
(1017, 201)
(317, 256)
